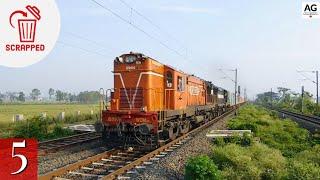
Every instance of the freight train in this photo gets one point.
(152, 103)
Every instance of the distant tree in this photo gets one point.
(51, 92)
(266, 97)
(2, 97)
(72, 97)
(290, 100)
(283, 91)
(35, 93)
(59, 95)
(21, 97)
(89, 96)
(13, 96)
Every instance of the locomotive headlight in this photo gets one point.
(144, 109)
(130, 59)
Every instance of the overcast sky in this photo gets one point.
(266, 40)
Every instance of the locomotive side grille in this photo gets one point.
(209, 98)
(131, 97)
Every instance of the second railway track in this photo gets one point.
(54, 145)
(311, 119)
(120, 163)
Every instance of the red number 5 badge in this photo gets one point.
(18, 159)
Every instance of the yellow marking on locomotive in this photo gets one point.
(140, 120)
(113, 119)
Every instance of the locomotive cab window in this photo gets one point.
(180, 83)
(169, 79)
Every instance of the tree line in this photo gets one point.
(284, 98)
(54, 95)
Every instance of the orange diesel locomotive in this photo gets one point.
(153, 103)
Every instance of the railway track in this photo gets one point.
(120, 163)
(311, 119)
(54, 145)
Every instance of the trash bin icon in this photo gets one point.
(27, 26)
(27, 29)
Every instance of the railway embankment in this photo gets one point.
(277, 149)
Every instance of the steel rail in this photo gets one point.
(134, 162)
(57, 144)
(152, 154)
(77, 165)
(311, 119)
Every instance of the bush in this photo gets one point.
(201, 167)
(78, 118)
(219, 141)
(305, 165)
(39, 128)
(35, 127)
(284, 135)
(253, 162)
(245, 140)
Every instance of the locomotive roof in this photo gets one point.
(148, 57)
(176, 69)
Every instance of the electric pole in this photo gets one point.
(271, 97)
(245, 94)
(302, 96)
(317, 83)
(235, 86)
(235, 80)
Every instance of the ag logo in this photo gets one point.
(310, 10)
(29, 30)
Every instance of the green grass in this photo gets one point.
(257, 161)
(7, 111)
(284, 135)
(279, 149)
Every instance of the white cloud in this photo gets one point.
(185, 9)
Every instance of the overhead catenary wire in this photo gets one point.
(81, 48)
(185, 57)
(137, 27)
(300, 72)
(84, 38)
(226, 75)
(154, 24)
(81, 37)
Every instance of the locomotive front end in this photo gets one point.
(135, 99)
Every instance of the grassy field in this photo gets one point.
(7, 111)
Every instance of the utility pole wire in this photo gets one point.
(235, 84)
(152, 23)
(137, 27)
(227, 75)
(83, 49)
(301, 72)
(87, 39)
